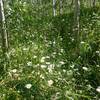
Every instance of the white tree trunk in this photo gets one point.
(54, 7)
(90, 3)
(76, 18)
(94, 3)
(3, 28)
(61, 6)
(77, 24)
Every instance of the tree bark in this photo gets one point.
(77, 26)
(77, 16)
(3, 28)
(61, 6)
(72, 2)
(94, 3)
(54, 7)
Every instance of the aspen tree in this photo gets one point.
(3, 28)
(77, 24)
(54, 7)
(61, 6)
(77, 15)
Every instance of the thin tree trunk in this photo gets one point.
(61, 6)
(90, 3)
(77, 15)
(77, 24)
(54, 7)
(3, 29)
(72, 2)
(94, 3)
(71, 5)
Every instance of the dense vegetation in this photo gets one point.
(44, 61)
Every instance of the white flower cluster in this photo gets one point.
(97, 52)
(25, 49)
(29, 63)
(50, 82)
(34, 56)
(41, 76)
(42, 59)
(28, 86)
(85, 68)
(43, 66)
(82, 42)
(50, 68)
(61, 62)
(14, 70)
(98, 89)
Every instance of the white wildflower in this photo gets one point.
(24, 3)
(62, 50)
(50, 82)
(72, 66)
(64, 70)
(97, 52)
(72, 39)
(85, 68)
(34, 56)
(61, 62)
(82, 42)
(51, 66)
(3, 95)
(50, 69)
(54, 53)
(54, 42)
(48, 63)
(97, 65)
(98, 89)
(42, 59)
(38, 73)
(59, 73)
(89, 87)
(25, 49)
(18, 91)
(29, 64)
(14, 70)
(28, 86)
(47, 57)
(43, 66)
(32, 72)
(41, 76)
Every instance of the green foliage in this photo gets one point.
(43, 60)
